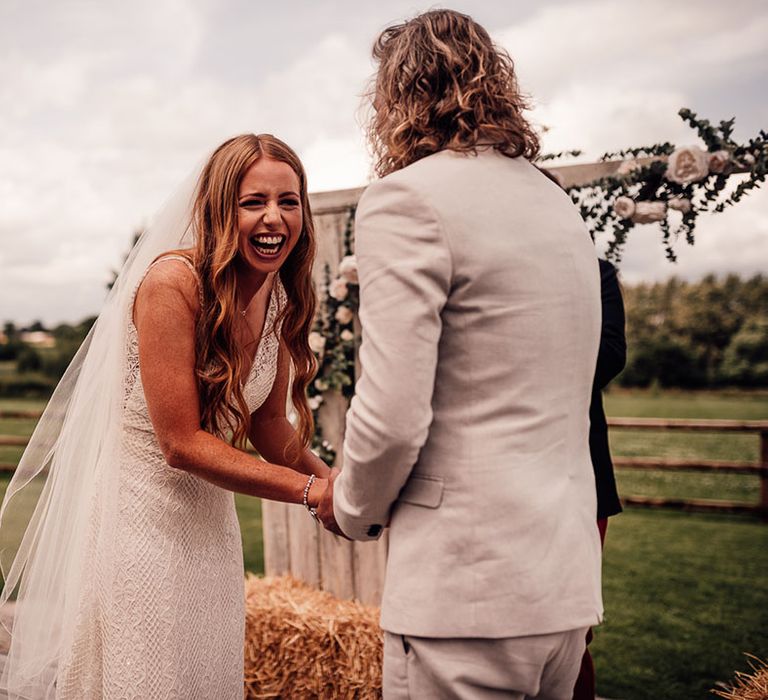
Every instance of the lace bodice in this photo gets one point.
(260, 379)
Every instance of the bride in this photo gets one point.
(129, 570)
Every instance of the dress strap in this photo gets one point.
(187, 262)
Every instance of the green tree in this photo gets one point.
(745, 361)
(28, 360)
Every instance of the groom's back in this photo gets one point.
(521, 326)
(509, 435)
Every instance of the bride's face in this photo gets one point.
(269, 214)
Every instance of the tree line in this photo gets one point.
(690, 335)
(706, 334)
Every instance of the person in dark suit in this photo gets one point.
(611, 359)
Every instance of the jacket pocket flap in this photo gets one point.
(424, 491)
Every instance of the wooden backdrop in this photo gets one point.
(293, 542)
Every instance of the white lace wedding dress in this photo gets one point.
(167, 619)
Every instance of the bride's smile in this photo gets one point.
(270, 215)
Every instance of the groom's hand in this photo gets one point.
(325, 507)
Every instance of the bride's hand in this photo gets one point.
(316, 491)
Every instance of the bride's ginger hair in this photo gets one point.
(443, 84)
(219, 363)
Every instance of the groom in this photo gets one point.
(480, 309)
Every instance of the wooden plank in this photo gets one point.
(692, 505)
(303, 545)
(370, 563)
(619, 422)
(336, 553)
(333, 202)
(688, 465)
(741, 426)
(24, 415)
(337, 565)
(277, 551)
(13, 441)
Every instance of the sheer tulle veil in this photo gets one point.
(56, 520)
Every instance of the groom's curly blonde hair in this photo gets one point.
(443, 84)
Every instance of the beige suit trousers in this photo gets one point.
(540, 667)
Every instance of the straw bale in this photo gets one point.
(748, 686)
(304, 643)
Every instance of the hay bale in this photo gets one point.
(304, 643)
(748, 686)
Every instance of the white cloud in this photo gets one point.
(607, 75)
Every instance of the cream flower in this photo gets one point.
(348, 269)
(627, 167)
(347, 335)
(680, 204)
(316, 342)
(315, 402)
(718, 161)
(649, 212)
(321, 385)
(338, 289)
(687, 164)
(624, 207)
(344, 315)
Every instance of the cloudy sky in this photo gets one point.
(105, 106)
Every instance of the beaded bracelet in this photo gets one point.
(305, 502)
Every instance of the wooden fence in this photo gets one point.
(295, 544)
(759, 468)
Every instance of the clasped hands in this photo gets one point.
(324, 505)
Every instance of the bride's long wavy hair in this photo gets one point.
(443, 84)
(220, 363)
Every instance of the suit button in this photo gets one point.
(374, 530)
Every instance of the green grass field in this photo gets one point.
(685, 594)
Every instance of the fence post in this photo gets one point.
(764, 474)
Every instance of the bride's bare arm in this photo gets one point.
(272, 434)
(164, 315)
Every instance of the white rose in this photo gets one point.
(344, 315)
(680, 204)
(321, 385)
(648, 212)
(314, 402)
(627, 167)
(338, 289)
(347, 335)
(624, 207)
(718, 161)
(687, 164)
(316, 342)
(348, 269)
(748, 159)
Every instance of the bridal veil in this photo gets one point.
(57, 516)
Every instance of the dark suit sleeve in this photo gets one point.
(613, 345)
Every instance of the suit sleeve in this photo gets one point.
(404, 266)
(612, 355)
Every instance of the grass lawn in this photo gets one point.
(685, 594)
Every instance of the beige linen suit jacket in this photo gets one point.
(480, 311)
